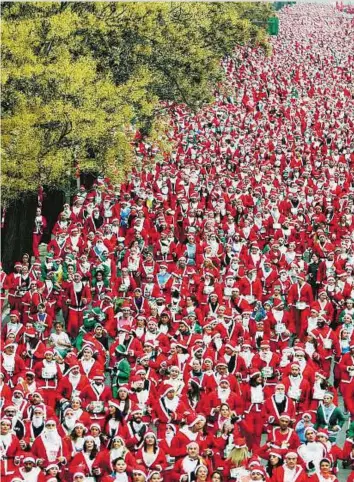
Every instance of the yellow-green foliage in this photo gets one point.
(78, 77)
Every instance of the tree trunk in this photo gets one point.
(52, 206)
(16, 236)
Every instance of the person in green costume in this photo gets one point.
(120, 372)
(91, 318)
(329, 416)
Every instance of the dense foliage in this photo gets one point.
(78, 78)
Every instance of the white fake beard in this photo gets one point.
(223, 394)
(70, 423)
(37, 421)
(279, 397)
(52, 436)
(116, 453)
(265, 356)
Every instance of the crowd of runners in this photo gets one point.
(196, 322)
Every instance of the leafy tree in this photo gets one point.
(78, 78)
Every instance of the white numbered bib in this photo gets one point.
(98, 407)
(294, 393)
(280, 328)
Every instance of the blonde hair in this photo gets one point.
(238, 455)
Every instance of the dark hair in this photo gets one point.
(117, 460)
(125, 411)
(94, 451)
(194, 391)
(253, 379)
(155, 445)
(270, 467)
(117, 415)
(216, 472)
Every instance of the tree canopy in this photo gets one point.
(78, 78)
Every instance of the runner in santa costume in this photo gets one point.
(328, 343)
(281, 326)
(334, 452)
(28, 470)
(49, 446)
(325, 472)
(79, 295)
(311, 452)
(192, 431)
(282, 438)
(114, 423)
(87, 363)
(300, 298)
(276, 405)
(290, 471)
(14, 325)
(136, 429)
(12, 364)
(14, 284)
(91, 460)
(32, 349)
(223, 394)
(168, 408)
(49, 376)
(150, 455)
(96, 396)
(297, 388)
(10, 449)
(329, 416)
(250, 286)
(267, 363)
(253, 396)
(347, 378)
(73, 382)
(187, 465)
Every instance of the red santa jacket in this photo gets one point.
(300, 475)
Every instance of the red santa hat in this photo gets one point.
(139, 469)
(30, 332)
(165, 388)
(254, 372)
(240, 443)
(193, 419)
(265, 344)
(135, 409)
(221, 362)
(6, 420)
(98, 375)
(9, 343)
(324, 432)
(76, 474)
(224, 380)
(15, 313)
(259, 470)
(277, 302)
(321, 373)
(285, 415)
(276, 453)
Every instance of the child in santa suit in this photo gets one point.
(10, 450)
